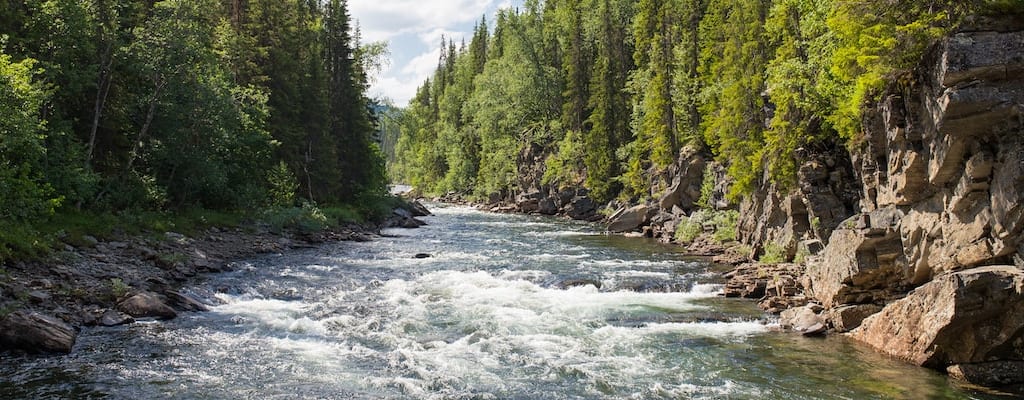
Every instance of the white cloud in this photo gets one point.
(422, 65)
(413, 29)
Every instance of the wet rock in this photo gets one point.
(36, 333)
(804, 319)
(629, 219)
(995, 373)
(185, 301)
(817, 329)
(114, 318)
(965, 317)
(146, 305)
(570, 283)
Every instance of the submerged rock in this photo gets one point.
(36, 333)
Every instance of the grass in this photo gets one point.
(40, 239)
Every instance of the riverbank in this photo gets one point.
(127, 276)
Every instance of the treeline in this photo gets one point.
(111, 105)
(612, 89)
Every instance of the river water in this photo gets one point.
(506, 307)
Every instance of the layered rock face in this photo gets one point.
(942, 170)
(827, 194)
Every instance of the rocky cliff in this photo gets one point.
(916, 230)
(937, 245)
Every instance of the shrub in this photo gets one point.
(725, 225)
(690, 228)
(774, 253)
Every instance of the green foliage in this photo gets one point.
(774, 253)
(801, 255)
(690, 228)
(307, 218)
(725, 225)
(156, 108)
(25, 195)
(722, 223)
(707, 190)
(874, 41)
(282, 186)
(565, 168)
(627, 83)
(118, 288)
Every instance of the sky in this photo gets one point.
(413, 31)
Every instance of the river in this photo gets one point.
(506, 307)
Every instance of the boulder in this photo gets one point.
(581, 208)
(804, 319)
(146, 305)
(629, 219)
(36, 333)
(186, 302)
(547, 206)
(967, 317)
(863, 262)
(115, 318)
(848, 317)
(419, 210)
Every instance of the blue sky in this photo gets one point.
(413, 30)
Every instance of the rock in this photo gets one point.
(419, 210)
(629, 219)
(185, 301)
(402, 212)
(848, 317)
(995, 373)
(38, 296)
(115, 318)
(547, 206)
(964, 317)
(570, 283)
(802, 319)
(146, 305)
(411, 223)
(36, 333)
(90, 241)
(421, 255)
(775, 285)
(581, 208)
(814, 330)
(863, 262)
